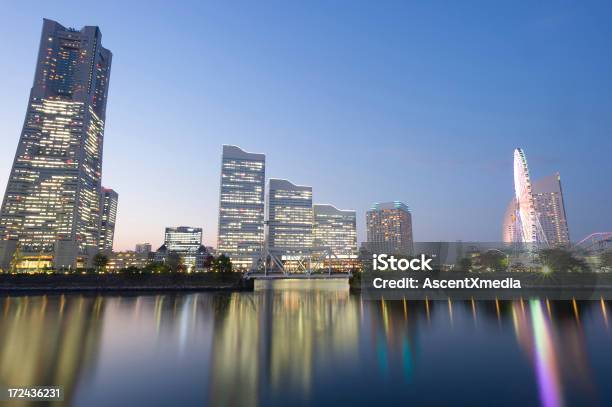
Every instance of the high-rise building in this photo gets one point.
(50, 210)
(108, 210)
(336, 230)
(241, 206)
(186, 242)
(143, 248)
(548, 198)
(536, 215)
(290, 218)
(389, 228)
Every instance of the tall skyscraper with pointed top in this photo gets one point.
(51, 209)
(241, 206)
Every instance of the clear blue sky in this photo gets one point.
(422, 102)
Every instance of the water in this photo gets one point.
(299, 344)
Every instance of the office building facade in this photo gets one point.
(549, 205)
(241, 206)
(186, 242)
(336, 230)
(289, 218)
(389, 229)
(109, 200)
(51, 206)
(118, 261)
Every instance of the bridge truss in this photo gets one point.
(306, 262)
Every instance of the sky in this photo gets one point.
(422, 102)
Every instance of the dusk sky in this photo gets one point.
(364, 101)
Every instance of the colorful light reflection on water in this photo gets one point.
(545, 355)
(305, 346)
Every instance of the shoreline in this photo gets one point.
(58, 283)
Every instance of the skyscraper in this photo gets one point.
(241, 206)
(109, 200)
(290, 218)
(389, 228)
(51, 205)
(337, 230)
(537, 212)
(548, 198)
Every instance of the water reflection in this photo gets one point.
(296, 345)
(49, 341)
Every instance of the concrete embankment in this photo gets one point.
(124, 282)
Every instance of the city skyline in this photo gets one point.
(433, 181)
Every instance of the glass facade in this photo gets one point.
(187, 243)
(336, 230)
(389, 228)
(290, 218)
(548, 199)
(109, 200)
(241, 206)
(53, 192)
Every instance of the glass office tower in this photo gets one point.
(51, 207)
(548, 199)
(109, 200)
(241, 206)
(186, 242)
(336, 230)
(290, 218)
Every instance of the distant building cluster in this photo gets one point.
(278, 226)
(57, 215)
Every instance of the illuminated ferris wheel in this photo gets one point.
(527, 228)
